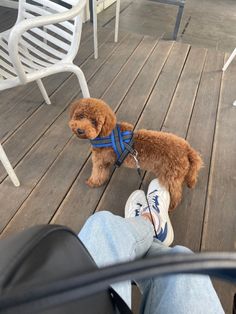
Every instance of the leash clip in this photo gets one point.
(135, 156)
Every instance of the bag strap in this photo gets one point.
(222, 265)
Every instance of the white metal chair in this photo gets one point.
(8, 167)
(44, 41)
(232, 56)
(95, 38)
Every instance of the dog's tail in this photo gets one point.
(195, 163)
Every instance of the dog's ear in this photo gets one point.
(109, 122)
(73, 108)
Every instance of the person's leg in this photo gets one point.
(178, 294)
(112, 239)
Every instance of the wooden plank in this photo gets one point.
(158, 104)
(43, 201)
(75, 210)
(10, 4)
(31, 179)
(33, 167)
(191, 209)
(7, 18)
(73, 203)
(220, 216)
(106, 50)
(79, 202)
(16, 96)
(12, 119)
(87, 32)
(86, 45)
(180, 111)
(38, 123)
(108, 15)
(116, 63)
(130, 72)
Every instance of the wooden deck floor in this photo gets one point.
(154, 84)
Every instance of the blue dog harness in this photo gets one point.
(121, 142)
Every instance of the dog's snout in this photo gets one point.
(80, 132)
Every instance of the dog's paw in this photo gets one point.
(92, 183)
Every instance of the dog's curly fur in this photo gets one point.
(168, 156)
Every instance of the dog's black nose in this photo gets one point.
(80, 132)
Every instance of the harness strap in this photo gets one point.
(128, 149)
(121, 142)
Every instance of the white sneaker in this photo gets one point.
(159, 200)
(137, 206)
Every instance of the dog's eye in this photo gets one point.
(80, 116)
(94, 122)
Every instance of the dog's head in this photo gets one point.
(90, 118)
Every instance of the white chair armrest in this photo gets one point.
(20, 28)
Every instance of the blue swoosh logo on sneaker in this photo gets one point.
(156, 204)
(162, 234)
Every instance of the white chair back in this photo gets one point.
(51, 42)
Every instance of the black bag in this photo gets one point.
(42, 255)
(46, 269)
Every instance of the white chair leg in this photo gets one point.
(8, 167)
(43, 92)
(95, 29)
(117, 20)
(229, 60)
(82, 80)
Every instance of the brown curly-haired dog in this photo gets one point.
(168, 156)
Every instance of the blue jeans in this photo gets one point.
(111, 239)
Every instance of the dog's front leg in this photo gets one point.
(100, 174)
(101, 170)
